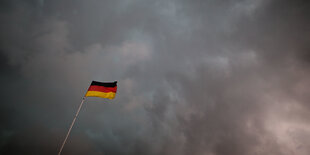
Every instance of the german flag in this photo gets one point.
(102, 89)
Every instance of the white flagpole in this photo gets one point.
(77, 113)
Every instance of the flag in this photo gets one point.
(102, 89)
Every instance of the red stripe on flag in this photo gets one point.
(102, 88)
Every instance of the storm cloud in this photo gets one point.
(194, 76)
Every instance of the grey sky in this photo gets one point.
(194, 77)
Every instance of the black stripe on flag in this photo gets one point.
(105, 84)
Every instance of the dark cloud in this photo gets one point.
(195, 77)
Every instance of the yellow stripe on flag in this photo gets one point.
(109, 95)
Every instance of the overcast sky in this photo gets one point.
(195, 77)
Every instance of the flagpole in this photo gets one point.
(77, 113)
